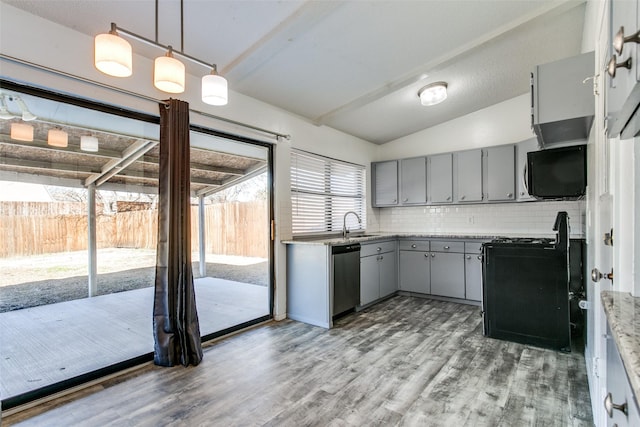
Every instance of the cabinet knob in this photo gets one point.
(433, 255)
(448, 198)
(480, 257)
(468, 256)
(596, 275)
(381, 257)
(426, 255)
(395, 201)
(462, 197)
(619, 40)
(522, 193)
(613, 65)
(509, 195)
(413, 246)
(446, 248)
(609, 406)
(379, 249)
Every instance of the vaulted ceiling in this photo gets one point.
(356, 66)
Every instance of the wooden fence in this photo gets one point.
(31, 229)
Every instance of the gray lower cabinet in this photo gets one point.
(473, 277)
(440, 178)
(619, 390)
(415, 271)
(500, 173)
(413, 181)
(447, 275)
(378, 271)
(469, 176)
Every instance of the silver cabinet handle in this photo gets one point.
(619, 40)
(446, 248)
(609, 406)
(379, 249)
(613, 65)
(413, 246)
(468, 256)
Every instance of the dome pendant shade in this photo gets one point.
(214, 89)
(433, 94)
(57, 138)
(113, 55)
(169, 74)
(21, 132)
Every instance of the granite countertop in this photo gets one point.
(623, 315)
(355, 238)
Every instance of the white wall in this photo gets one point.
(62, 49)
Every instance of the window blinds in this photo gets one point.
(322, 191)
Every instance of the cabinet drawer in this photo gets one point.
(447, 246)
(473, 247)
(377, 248)
(414, 245)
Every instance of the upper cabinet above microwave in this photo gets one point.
(623, 71)
(562, 101)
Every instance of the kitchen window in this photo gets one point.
(322, 191)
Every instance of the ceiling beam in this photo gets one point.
(230, 183)
(421, 72)
(130, 155)
(45, 165)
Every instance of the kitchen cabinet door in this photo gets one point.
(413, 181)
(500, 173)
(469, 176)
(522, 149)
(473, 277)
(388, 273)
(440, 178)
(385, 180)
(447, 274)
(369, 279)
(414, 272)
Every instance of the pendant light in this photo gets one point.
(113, 54)
(57, 138)
(27, 116)
(214, 88)
(169, 73)
(21, 132)
(4, 111)
(89, 143)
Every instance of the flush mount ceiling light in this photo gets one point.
(433, 93)
(168, 74)
(57, 138)
(21, 132)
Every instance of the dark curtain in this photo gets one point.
(176, 329)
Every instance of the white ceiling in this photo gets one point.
(353, 65)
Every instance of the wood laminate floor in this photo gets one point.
(52, 343)
(406, 361)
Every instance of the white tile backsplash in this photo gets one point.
(529, 218)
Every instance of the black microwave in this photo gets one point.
(558, 173)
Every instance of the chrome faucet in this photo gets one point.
(345, 230)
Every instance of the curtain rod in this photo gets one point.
(9, 58)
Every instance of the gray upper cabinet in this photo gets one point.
(469, 176)
(522, 148)
(622, 94)
(500, 183)
(440, 178)
(413, 181)
(385, 181)
(563, 106)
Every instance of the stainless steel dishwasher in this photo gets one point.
(346, 277)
